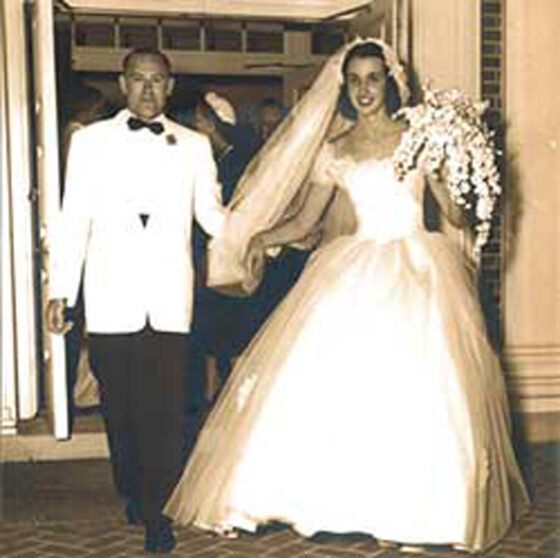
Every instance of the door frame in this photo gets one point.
(18, 174)
(48, 184)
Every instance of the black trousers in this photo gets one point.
(142, 378)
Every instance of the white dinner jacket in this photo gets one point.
(133, 273)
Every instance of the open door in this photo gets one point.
(297, 82)
(48, 182)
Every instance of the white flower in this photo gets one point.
(446, 136)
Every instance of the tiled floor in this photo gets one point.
(68, 508)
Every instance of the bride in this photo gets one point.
(371, 400)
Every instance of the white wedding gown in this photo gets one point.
(371, 400)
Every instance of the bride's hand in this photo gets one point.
(255, 253)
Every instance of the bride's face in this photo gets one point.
(365, 82)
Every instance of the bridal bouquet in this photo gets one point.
(448, 139)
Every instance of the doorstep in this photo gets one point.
(35, 442)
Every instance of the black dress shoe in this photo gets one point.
(159, 536)
(133, 513)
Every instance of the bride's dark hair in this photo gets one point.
(392, 97)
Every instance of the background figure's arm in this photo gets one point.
(71, 228)
(449, 208)
(208, 208)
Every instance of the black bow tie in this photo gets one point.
(137, 124)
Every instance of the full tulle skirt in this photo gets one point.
(370, 402)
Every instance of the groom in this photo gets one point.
(133, 184)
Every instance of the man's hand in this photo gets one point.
(54, 316)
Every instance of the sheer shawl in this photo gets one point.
(275, 184)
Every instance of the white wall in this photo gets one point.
(532, 273)
(18, 177)
(8, 407)
(446, 43)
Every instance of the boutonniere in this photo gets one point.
(171, 139)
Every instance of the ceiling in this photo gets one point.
(307, 10)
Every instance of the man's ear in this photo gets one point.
(170, 85)
(122, 84)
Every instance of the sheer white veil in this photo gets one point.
(275, 177)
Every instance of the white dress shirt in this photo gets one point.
(133, 273)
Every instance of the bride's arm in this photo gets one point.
(298, 226)
(449, 208)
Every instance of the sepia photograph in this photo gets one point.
(280, 278)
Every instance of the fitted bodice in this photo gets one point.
(386, 208)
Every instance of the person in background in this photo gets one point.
(85, 105)
(233, 145)
(134, 183)
(223, 324)
(283, 270)
(270, 113)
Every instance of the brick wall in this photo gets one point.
(491, 84)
